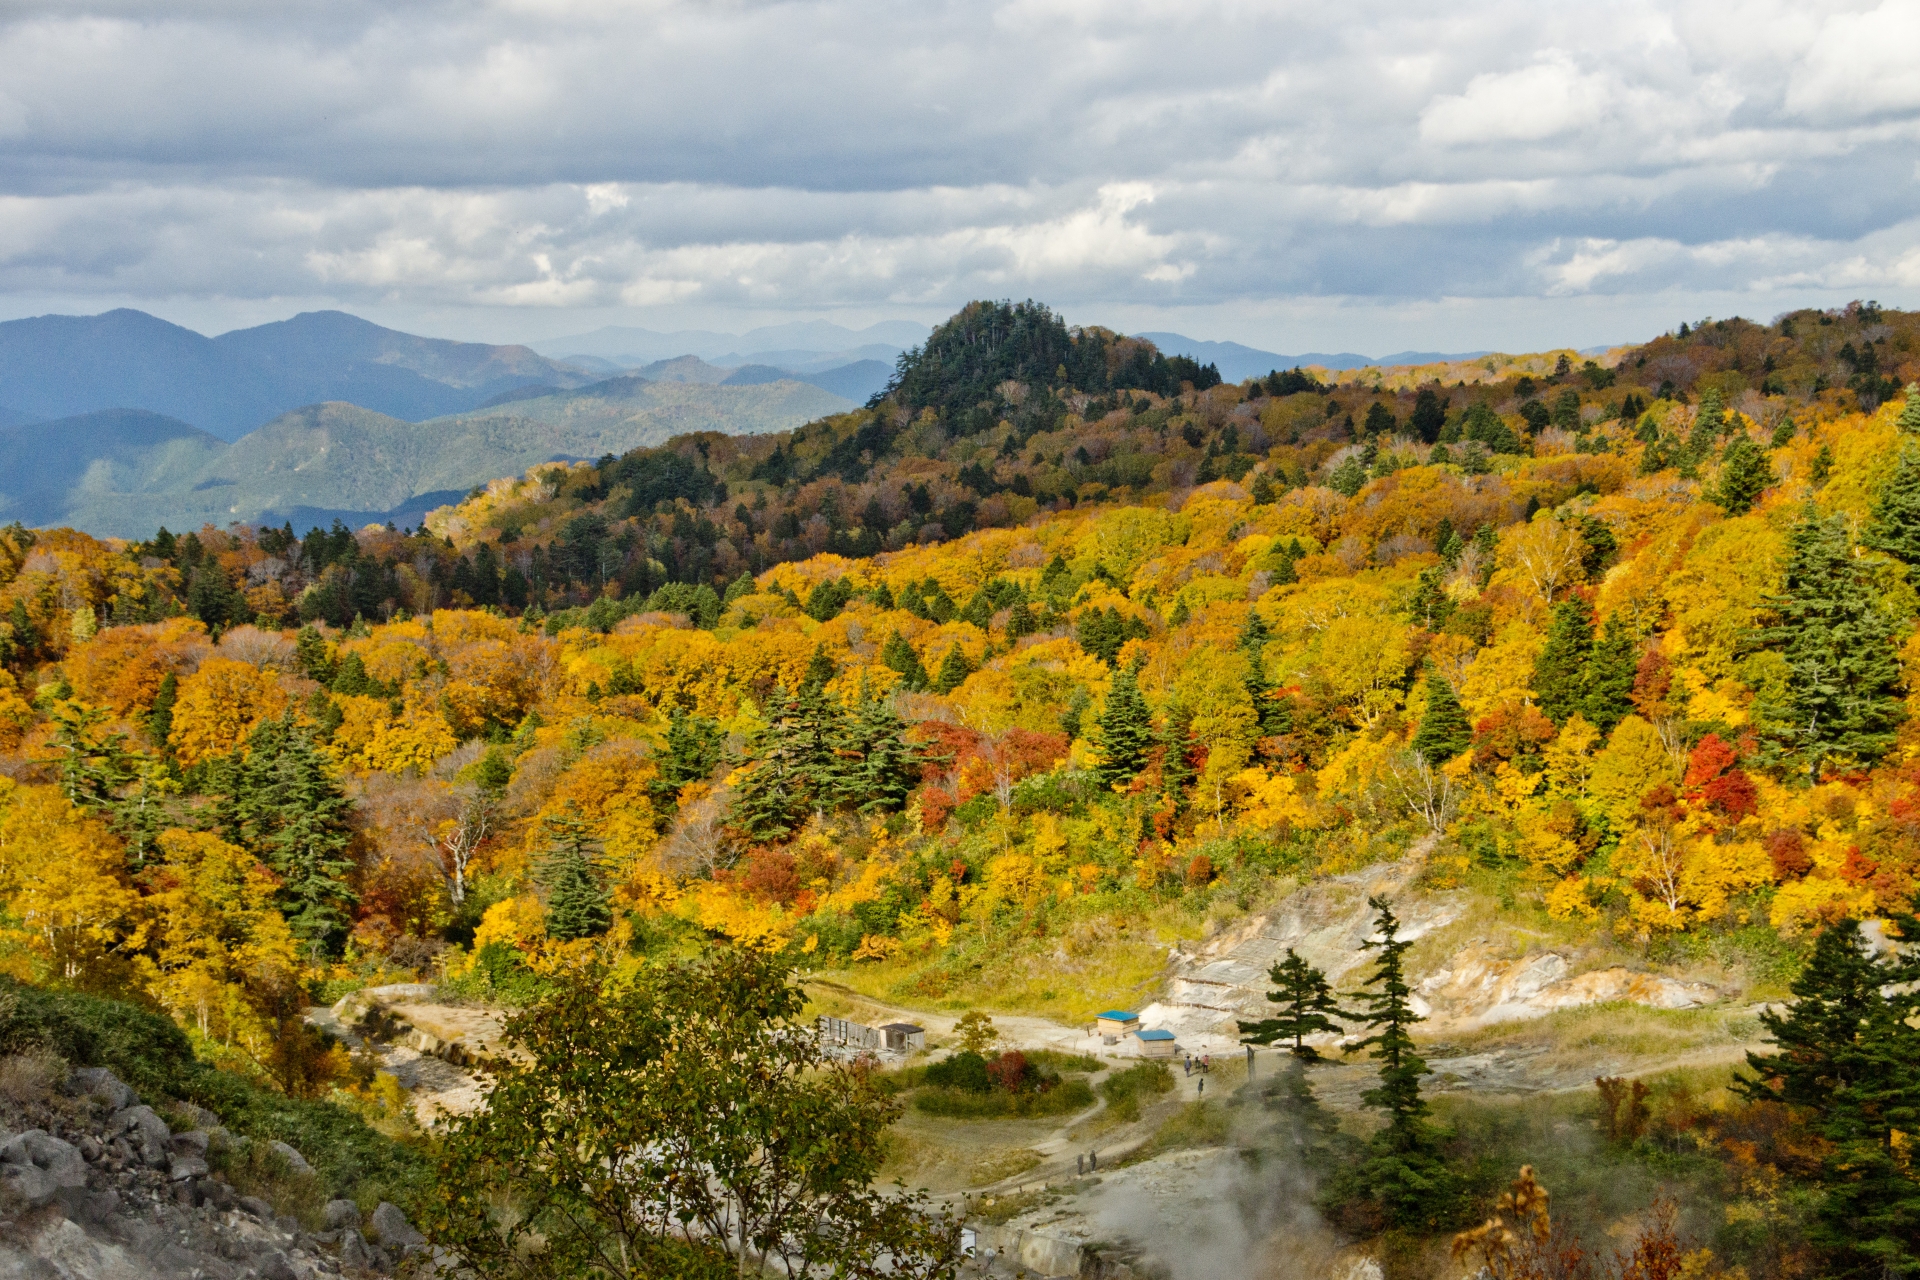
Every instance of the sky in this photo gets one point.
(1361, 176)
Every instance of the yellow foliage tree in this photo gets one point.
(62, 876)
(219, 705)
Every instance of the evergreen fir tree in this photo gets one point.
(290, 809)
(160, 715)
(310, 655)
(1909, 419)
(693, 749)
(889, 766)
(979, 610)
(1284, 560)
(1895, 524)
(769, 802)
(1843, 684)
(1126, 732)
(897, 655)
(1020, 621)
(740, 586)
(1822, 465)
(1347, 478)
(1608, 695)
(577, 903)
(1745, 473)
(1403, 1172)
(1274, 715)
(1444, 732)
(1307, 1007)
(1559, 674)
(954, 670)
(823, 775)
(1309, 1132)
(1430, 605)
(1709, 421)
(1176, 773)
(1850, 1060)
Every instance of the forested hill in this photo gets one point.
(1038, 671)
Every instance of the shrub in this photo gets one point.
(1124, 1090)
(965, 1072)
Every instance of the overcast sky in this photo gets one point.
(1357, 176)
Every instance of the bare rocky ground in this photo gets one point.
(95, 1185)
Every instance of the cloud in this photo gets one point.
(533, 157)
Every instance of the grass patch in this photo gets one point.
(1620, 1029)
(998, 1166)
(1059, 1061)
(1197, 1124)
(1002, 1209)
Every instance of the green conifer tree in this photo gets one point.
(1444, 731)
(954, 670)
(740, 586)
(1307, 1007)
(1842, 692)
(577, 903)
(1849, 1059)
(1274, 715)
(1607, 698)
(979, 610)
(1909, 419)
(888, 765)
(898, 655)
(1347, 478)
(1126, 731)
(310, 655)
(290, 809)
(693, 749)
(1559, 674)
(1404, 1172)
(1895, 524)
(1176, 739)
(769, 800)
(1745, 473)
(160, 714)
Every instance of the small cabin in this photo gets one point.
(903, 1037)
(1154, 1044)
(1115, 1023)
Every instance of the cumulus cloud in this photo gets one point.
(677, 159)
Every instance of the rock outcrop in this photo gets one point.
(98, 1187)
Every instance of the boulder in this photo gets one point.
(255, 1207)
(98, 1082)
(193, 1142)
(181, 1167)
(342, 1213)
(37, 1168)
(146, 1131)
(354, 1250)
(296, 1163)
(391, 1226)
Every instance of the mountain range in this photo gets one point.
(119, 422)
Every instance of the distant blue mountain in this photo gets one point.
(1238, 363)
(63, 366)
(856, 381)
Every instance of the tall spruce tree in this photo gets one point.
(1745, 473)
(1895, 524)
(1842, 692)
(770, 801)
(1849, 1060)
(1404, 1172)
(1607, 697)
(897, 655)
(888, 766)
(1272, 713)
(1560, 673)
(1444, 732)
(1909, 419)
(1176, 773)
(954, 670)
(1126, 731)
(1307, 1007)
(290, 809)
(577, 903)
